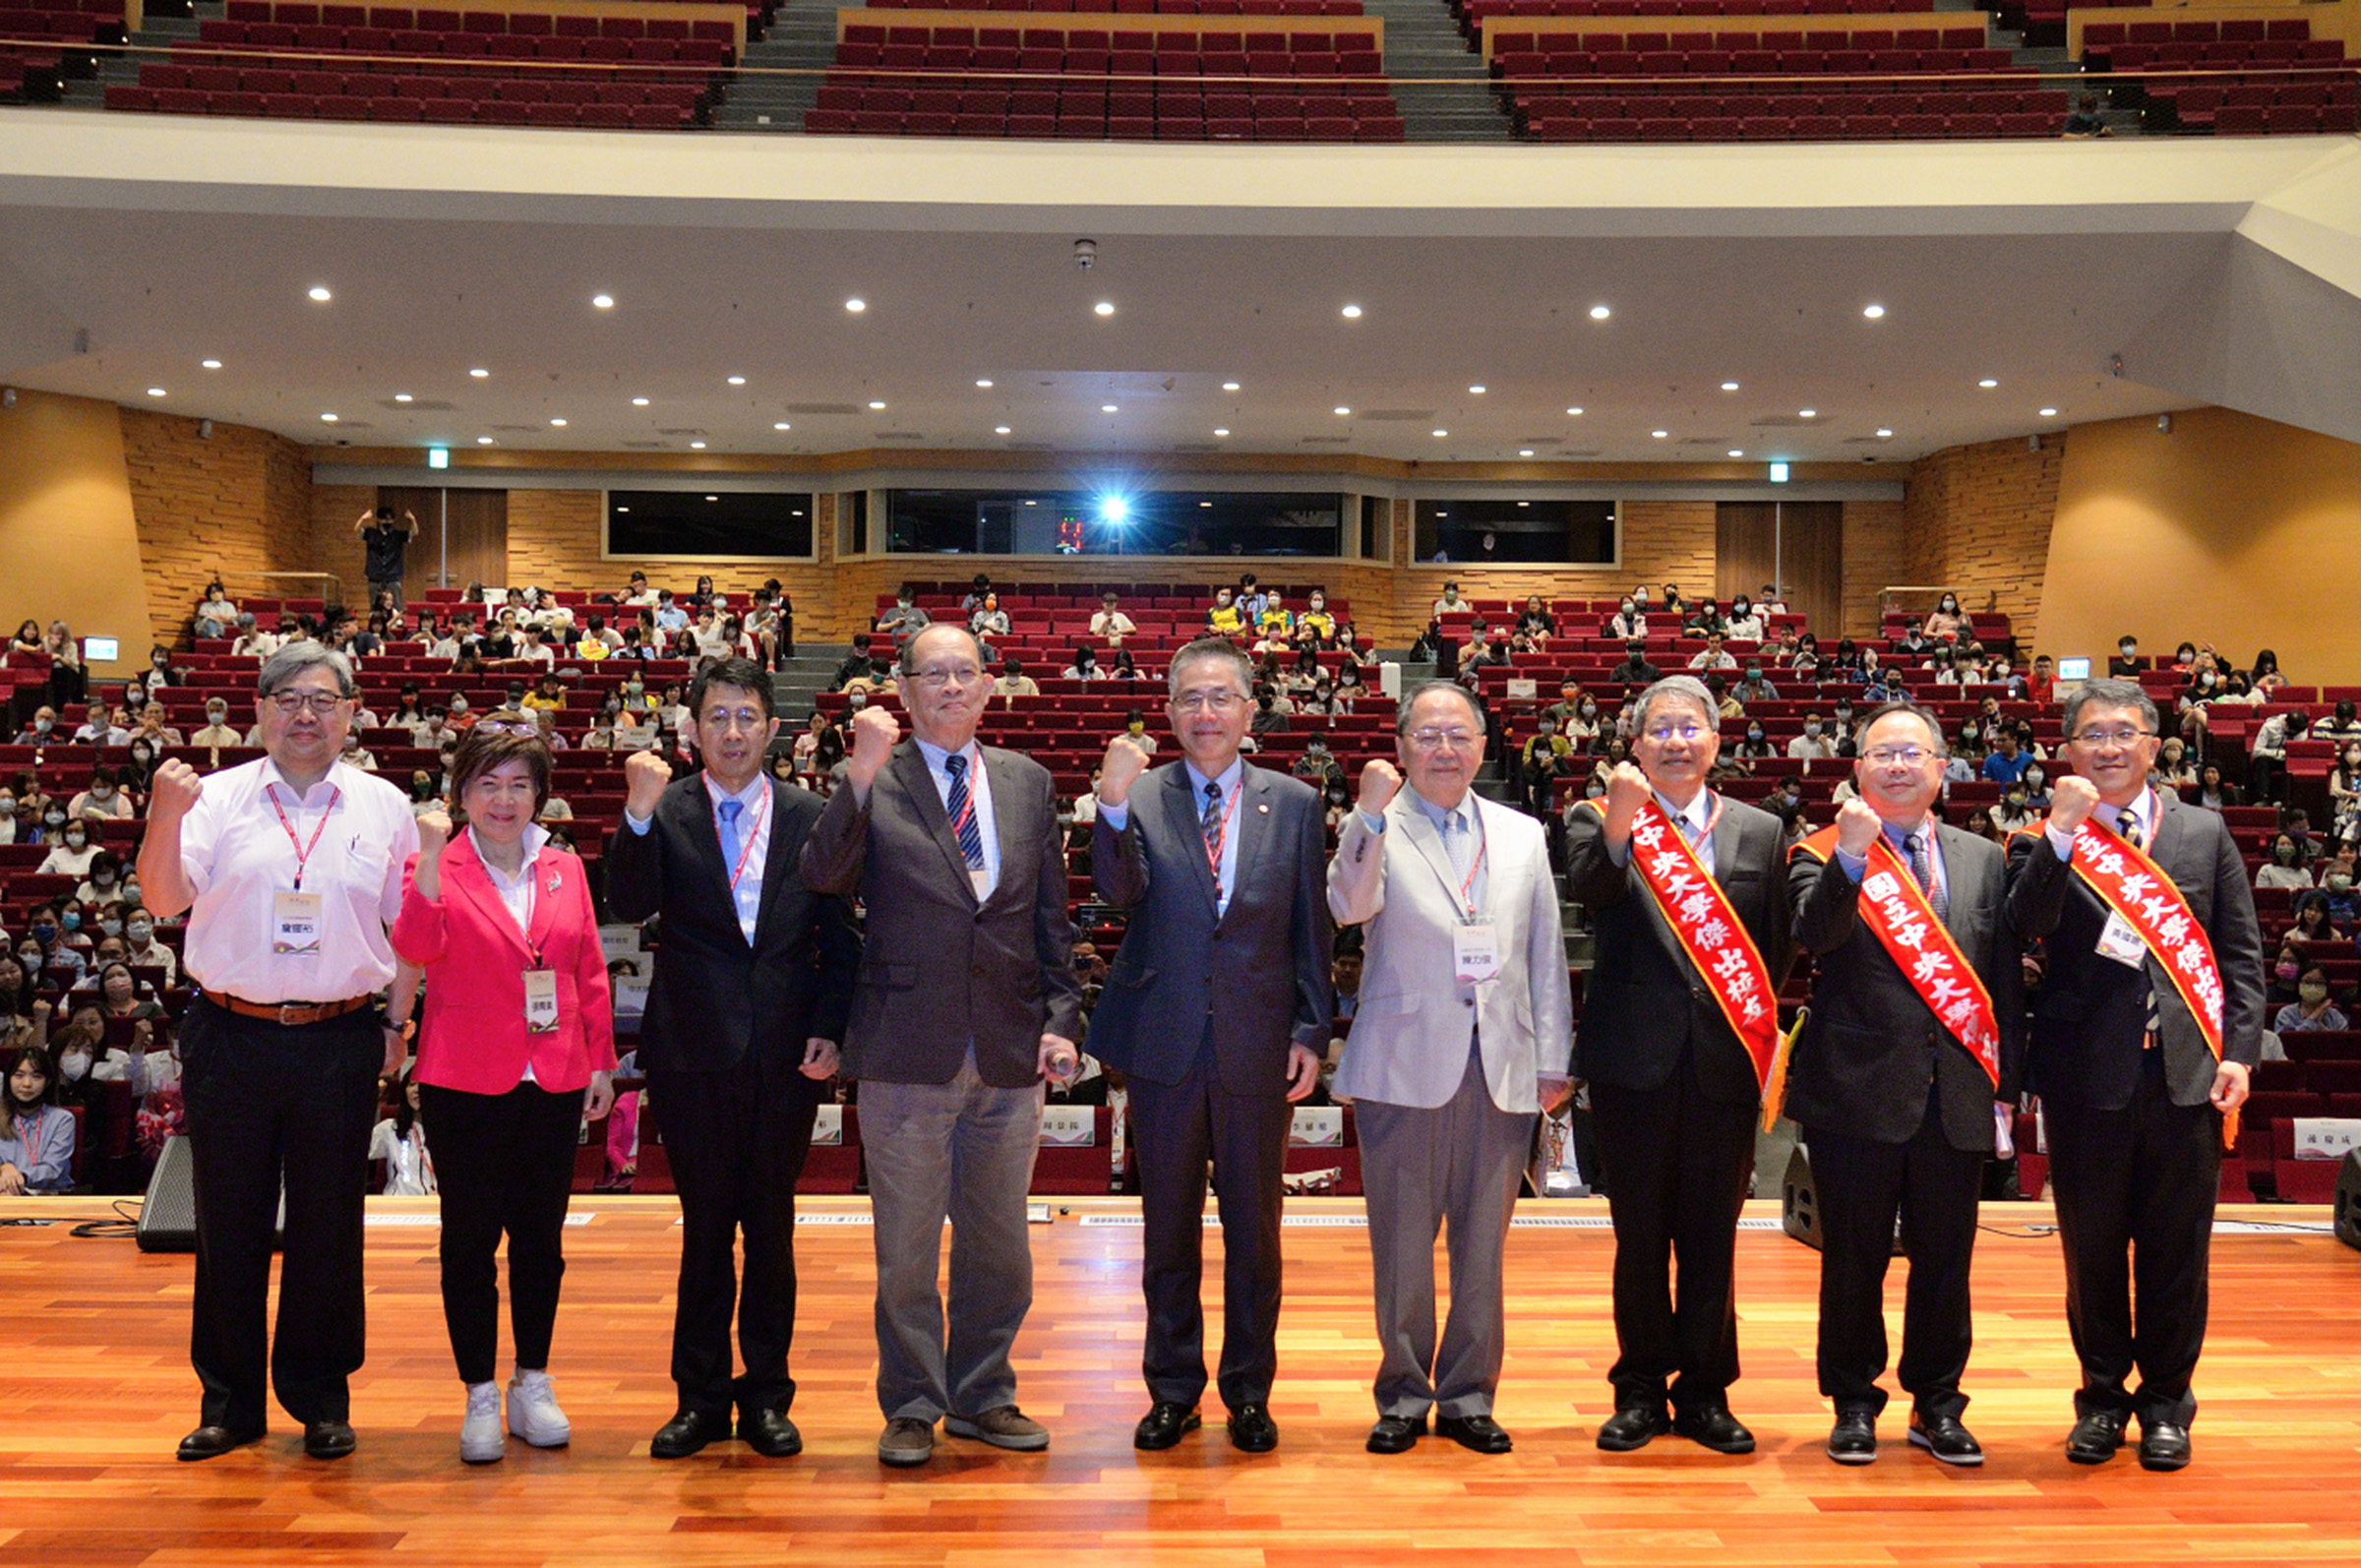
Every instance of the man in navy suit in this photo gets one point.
(1217, 1010)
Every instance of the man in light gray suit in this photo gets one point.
(966, 997)
(1463, 1036)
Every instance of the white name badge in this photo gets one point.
(295, 924)
(540, 1000)
(827, 1128)
(982, 879)
(2121, 942)
(1317, 1127)
(1068, 1126)
(1476, 952)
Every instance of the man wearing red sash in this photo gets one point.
(1679, 1021)
(2149, 1018)
(1913, 1038)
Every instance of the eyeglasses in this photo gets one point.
(1437, 740)
(320, 703)
(1208, 701)
(937, 678)
(1908, 755)
(2099, 740)
(749, 719)
(498, 726)
(1663, 734)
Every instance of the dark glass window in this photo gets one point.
(720, 523)
(1079, 522)
(1475, 532)
(856, 503)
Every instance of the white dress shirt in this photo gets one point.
(239, 858)
(979, 791)
(2144, 808)
(754, 812)
(1231, 780)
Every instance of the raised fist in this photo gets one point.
(2072, 802)
(1627, 789)
(434, 832)
(1379, 781)
(1858, 827)
(1124, 763)
(645, 777)
(173, 790)
(874, 732)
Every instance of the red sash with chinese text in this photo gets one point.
(2148, 901)
(1894, 906)
(1711, 934)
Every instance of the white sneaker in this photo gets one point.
(533, 1412)
(481, 1440)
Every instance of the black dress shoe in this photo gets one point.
(211, 1442)
(1635, 1428)
(1480, 1433)
(1714, 1426)
(1165, 1423)
(1944, 1438)
(1855, 1438)
(687, 1433)
(1396, 1434)
(327, 1440)
(1252, 1430)
(770, 1433)
(2163, 1445)
(2095, 1437)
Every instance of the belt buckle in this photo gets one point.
(287, 1010)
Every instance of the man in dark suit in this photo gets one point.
(1216, 1011)
(966, 999)
(752, 985)
(1674, 1092)
(1896, 1081)
(2133, 1095)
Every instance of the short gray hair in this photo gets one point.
(1688, 688)
(2109, 692)
(910, 646)
(1925, 715)
(1410, 699)
(294, 659)
(1212, 649)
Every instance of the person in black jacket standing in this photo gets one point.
(1675, 1091)
(1217, 1010)
(2133, 1090)
(752, 987)
(1897, 1075)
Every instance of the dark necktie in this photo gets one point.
(2126, 822)
(1923, 866)
(963, 813)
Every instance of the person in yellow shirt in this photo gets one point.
(1276, 620)
(546, 695)
(1224, 619)
(1316, 617)
(596, 641)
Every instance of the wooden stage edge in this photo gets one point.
(100, 1390)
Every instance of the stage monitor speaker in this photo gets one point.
(168, 1214)
(2348, 1200)
(1799, 1200)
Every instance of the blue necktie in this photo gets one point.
(963, 815)
(730, 811)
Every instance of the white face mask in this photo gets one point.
(74, 1065)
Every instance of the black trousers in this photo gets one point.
(2135, 1190)
(737, 1139)
(504, 1164)
(267, 1102)
(1176, 1128)
(1862, 1187)
(1676, 1165)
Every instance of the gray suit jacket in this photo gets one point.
(1408, 1045)
(938, 970)
(1258, 973)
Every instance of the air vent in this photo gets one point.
(691, 430)
(1031, 446)
(518, 430)
(1327, 441)
(823, 408)
(647, 445)
(1868, 441)
(1570, 453)
(1790, 421)
(1396, 415)
(1197, 446)
(416, 407)
(1705, 441)
(899, 435)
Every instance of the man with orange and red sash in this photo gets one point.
(1679, 1024)
(2148, 1020)
(1907, 1062)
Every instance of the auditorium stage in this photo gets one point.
(98, 1390)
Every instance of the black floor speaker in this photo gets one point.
(1799, 1200)
(2348, 1200)
(168, 1214)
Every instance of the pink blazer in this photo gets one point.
(474, 1036)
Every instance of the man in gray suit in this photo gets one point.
(965, 998)
(1217, 1010)
(1461, 1039)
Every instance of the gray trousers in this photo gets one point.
(961, 1150)
(1459, 1163)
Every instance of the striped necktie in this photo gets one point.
(1923, 866)
(2126, 822)
(963, 812)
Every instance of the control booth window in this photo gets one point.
(760, 524)
(1462, 531)
(1113, 522)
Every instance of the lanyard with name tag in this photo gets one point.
(1475, 952)
(295, 915)
(2121, 941)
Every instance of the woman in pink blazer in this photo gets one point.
(519, 1024)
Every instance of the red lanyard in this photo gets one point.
(747, 849)
(1467, 888)
(28, 1134)
(303, 851)
(1213, 854)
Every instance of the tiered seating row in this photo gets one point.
(1798, 117)
(41, 34)
(2259, 108)
(1100, 51)
(1139, 7)
(1474, 14)
(541, 100)
(478, 17)
(1869, 52)
(1092, 112)
(634, 42)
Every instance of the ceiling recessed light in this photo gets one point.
(1599, 313)
(1524, 503)
(1987, 384)
(713, 498)
(1873, 312)
(1476, 390)
(210, 364)
(782, 425)
(320, 292)
(697, 446)
(1730, 386)
(1441, 433)
(737, 381)
(1352, 313)
(1660, 433)
(638, 402)
(1343, 411)
(877, 407)
(559, 423)
(328, 419)
(483, 441)
(984, 380)
(1106, 408)
(1524, 451)
(1229, 386)
(402, 397)
(1221, 429)
(2049, 413)
(1883, 433)
(603, 301)
(1808, 413)
(156, 391)
(856, 306)
(1000, 430)
(479, 373)
(1737, 451)
(1576, 410)
(1105, 307)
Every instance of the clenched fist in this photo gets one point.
(1124, 763)
(1380, 780)
(1627, 789)
(173, 791)
(874, 732)
(645, 777)
(434, 832)
(2072, 802)
(1858, 827)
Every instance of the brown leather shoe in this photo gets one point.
(906, 1440)
(1004, 1427)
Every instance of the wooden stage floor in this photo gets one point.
(99, 1390)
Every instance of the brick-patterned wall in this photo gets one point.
(239, 503)
(330, 544)
(1876, 554)
(1978, 520)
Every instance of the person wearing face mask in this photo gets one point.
(216, 732)
(1945, 624)
(1743, 624)
(2175, 770)
(2125, 665)
(72, 853)
(103, 800)
(43, 730)
(1627, 624)
(8, 818)
(104, 881)
(37, 1133)
(1547, 756)
(2014, 810)
(1706, 620)
(144, 950)
(1813, 745)
(99, 727)
(1756, 743)
(2345, 905)
(2285, 868)
(903, 620)
(1755, 689)
(2312, 1010)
